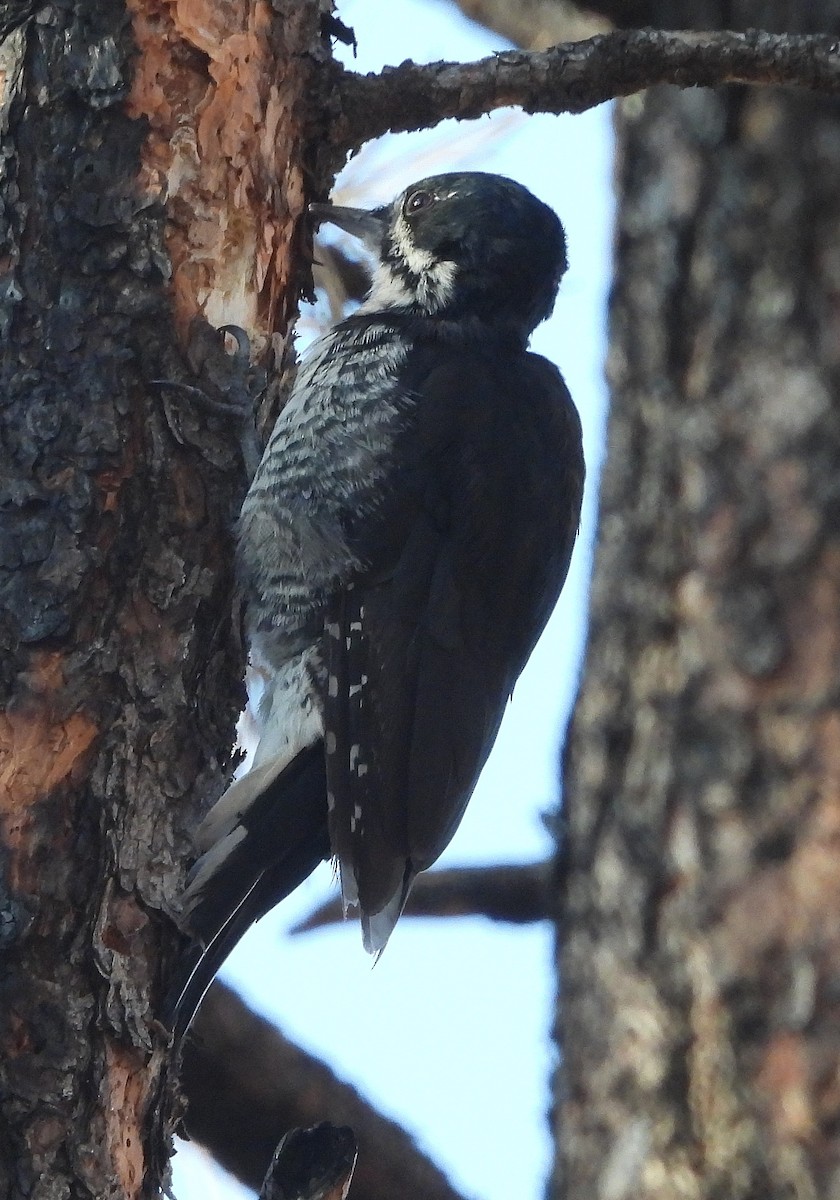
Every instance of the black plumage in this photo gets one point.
(401, 548)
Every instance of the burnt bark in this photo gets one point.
(119, 673)
(699, 945)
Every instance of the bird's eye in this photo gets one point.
(416, 201)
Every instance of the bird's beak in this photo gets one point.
(368, 225)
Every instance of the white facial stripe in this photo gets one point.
(387, 291)
(418, 261)
(435, 280)
(440, 283)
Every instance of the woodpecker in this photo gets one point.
(402, 545)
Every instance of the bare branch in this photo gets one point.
(516, 892)
(577, 76)
(246, 1084)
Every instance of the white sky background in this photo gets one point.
(450, 1033)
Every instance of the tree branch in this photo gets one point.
(516, 892)
(246, 1084)
(576, 76)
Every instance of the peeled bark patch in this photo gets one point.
(222, 93)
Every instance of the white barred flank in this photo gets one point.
(327, 454)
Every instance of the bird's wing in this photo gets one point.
(468, 556)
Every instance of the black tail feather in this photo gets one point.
(285, 837)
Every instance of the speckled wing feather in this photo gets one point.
(427, 644)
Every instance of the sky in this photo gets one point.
(450, 1033)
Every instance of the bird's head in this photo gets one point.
(461, 245)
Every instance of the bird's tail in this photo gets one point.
(279, 840)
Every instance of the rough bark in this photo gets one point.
(699, 946)
(120, 678)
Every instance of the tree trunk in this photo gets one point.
(144, 194)
(699, 946)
